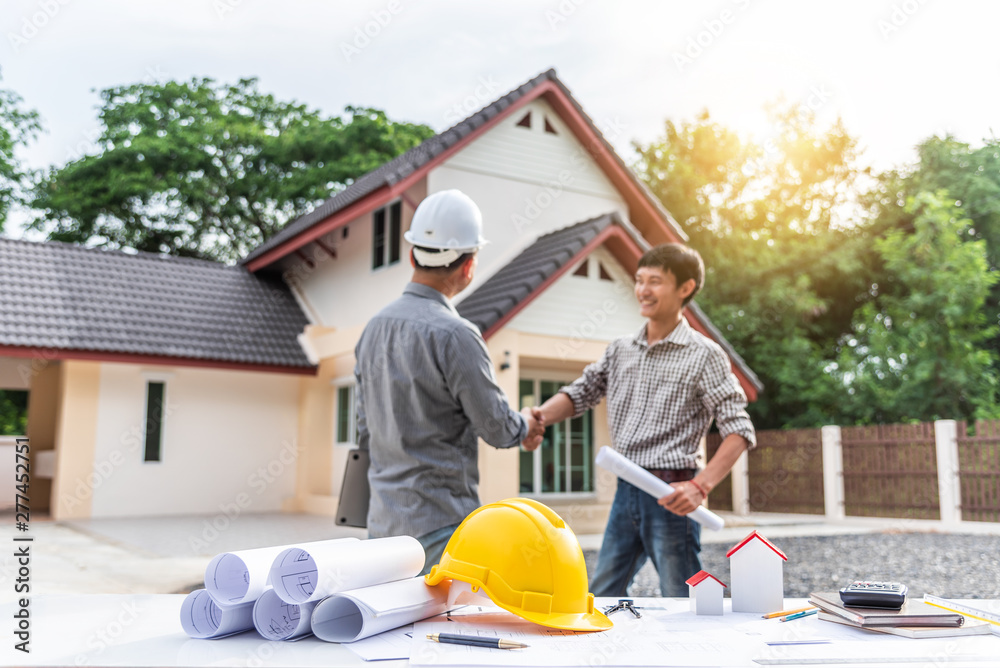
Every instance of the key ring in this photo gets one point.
(624, 604)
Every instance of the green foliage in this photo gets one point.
(781, 277)
(856, 299)
(13, 413)
(204, 170)
(17, 127)
(917, 351)
(971, 178)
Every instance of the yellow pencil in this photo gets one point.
(782, 613)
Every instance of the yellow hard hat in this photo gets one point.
(527, 560)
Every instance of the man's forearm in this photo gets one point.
(558, 408)
(721, 464)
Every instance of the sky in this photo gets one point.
(895, 71)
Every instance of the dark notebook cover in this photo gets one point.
(913, 613)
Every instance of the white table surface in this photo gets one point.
(145, 630)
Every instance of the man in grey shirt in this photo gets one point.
(426, 390)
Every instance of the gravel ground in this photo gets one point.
(948, 565)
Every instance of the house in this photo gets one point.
(755, 574)
(705, 592)
(150, 373)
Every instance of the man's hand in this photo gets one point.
(536, 427)
(685, 499)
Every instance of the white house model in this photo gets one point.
(705, 592)
(755, 571)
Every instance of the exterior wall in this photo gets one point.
(527, 183)
(44, 402)
(498, 467)
(533, 155)
(321, 463)
(75, 432)
(537, 356)
(15, 373)
(581, 308)
(229, 442)
(345, 291)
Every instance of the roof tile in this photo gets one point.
(57, 295)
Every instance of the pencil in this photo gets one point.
(789, 618)
(475, 641)
(782, 613)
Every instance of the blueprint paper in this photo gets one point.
(367, 611)
(275, 619)
(242, 576)
(629, 471)
(631, 642)
(393, 644)
(203, 617)
(309, 573)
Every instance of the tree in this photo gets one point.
(782, 278)
(971, 178)
(917, 350)
(204, 170)
(13, 412)
(17, 127)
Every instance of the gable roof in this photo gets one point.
(84, 303)
(378, 187)
(700, 577)
(753, 534)
(507, 292)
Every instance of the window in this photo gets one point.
(347, 418)
(13, 412)
(153, 443)
(564, 463)
(387, 225)
(593, 268)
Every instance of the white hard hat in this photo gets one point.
(449, 221)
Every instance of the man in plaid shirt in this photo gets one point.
(664, 386)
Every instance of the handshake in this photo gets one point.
(536, 427)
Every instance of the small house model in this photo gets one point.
(755, 571)
(705, 592)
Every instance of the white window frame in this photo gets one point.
(148, 377)
(339, 384)
(536, 377)
(387, 261)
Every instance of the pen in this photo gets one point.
(782, 613)
(799, 614)
(475, 641)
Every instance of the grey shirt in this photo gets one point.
(426, 393)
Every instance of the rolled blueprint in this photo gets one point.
(360, 613)
(241, 576)
(308, 573)
(277, 620)
(628, 470)
(202, 617)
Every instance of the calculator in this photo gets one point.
(866, 594)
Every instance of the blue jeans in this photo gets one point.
(639, 528)
(434, 544)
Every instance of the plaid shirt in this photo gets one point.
(662, 397)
